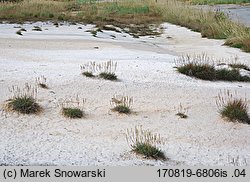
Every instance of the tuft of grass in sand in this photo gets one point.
(42, 82)
(107, 70)
(88, 74)
(24, 105)
(122, 104)
(108, 76)
(234, 109)
(23, 100)
(145, 143)
(239, 66)
(72, 107)
(72, 112)
(201, 67)
(182, 112)
(122, 109)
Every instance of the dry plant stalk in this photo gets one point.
(89, 67)
(106, 67)
(139, 136)
(119, 100)
(227, 97)
(73, 102)
(199, 59)
(42, 81)
(26, 91)
(182, 111)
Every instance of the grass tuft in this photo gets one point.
(234, 109)
(239, 66)
(199, 67)
(88, 74)
(23, 100)
(149, 151)
(122, 104)
(24, 105)
(36, 28)
(230, 75)
(42, 82)
(145, 143)
(122, 109)
(181, 115)
(72, 112)
(72, 107)
(108, 76)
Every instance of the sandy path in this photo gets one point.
(145, 70)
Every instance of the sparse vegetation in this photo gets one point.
(23, 100)
(211, 24)
(108, 76)
(122, 104)
(211, 2)
(19, 32)
(42, 82)
(239, 66)
(145, 143)
(107, 70)
(134, 16)
(88, 74)
(73, 107)
(234, 109)
(89, 69)
(182, 112)
(72, 112)
(37, 28)
(203, 68)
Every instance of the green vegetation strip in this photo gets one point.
(211, 2)
(127, 14)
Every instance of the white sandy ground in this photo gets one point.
(145, 69)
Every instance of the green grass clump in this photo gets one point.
(234, 109)
(145, 143)
(24, 105)
(201, 71)
(108, 76)
(88, 74)
(239, 66)
(122, 109)
(207, 71)
(182, 115)
(121, 9)
(72, 112)
(230, 75)
(148, 151)
(43, 85)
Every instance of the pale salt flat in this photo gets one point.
(145, 71)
